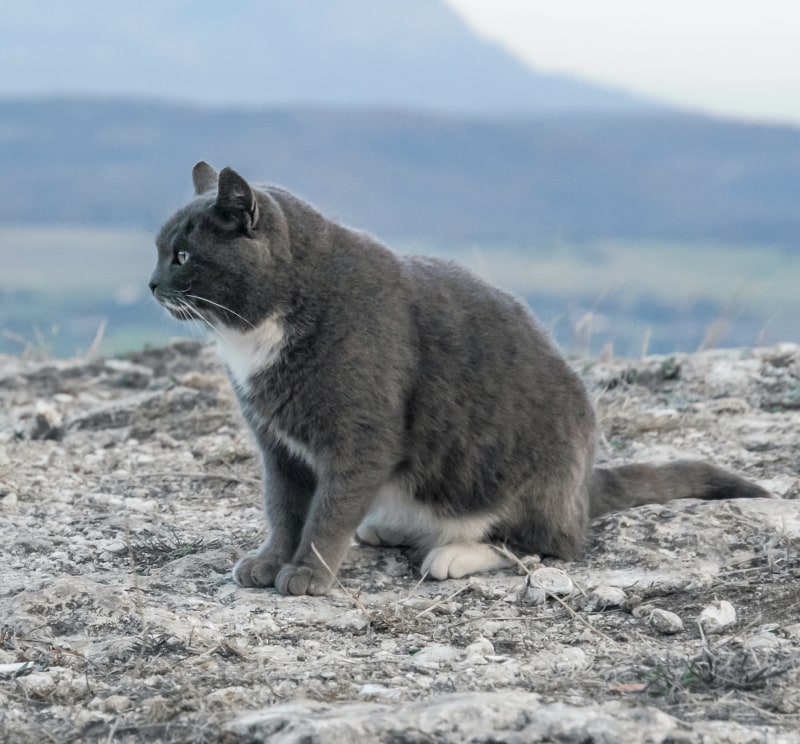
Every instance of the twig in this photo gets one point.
(190, 474)
(441, 601)
(353, 596)
(504, 551)
(98, 339)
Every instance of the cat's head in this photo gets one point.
(223, 258)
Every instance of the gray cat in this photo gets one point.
(399, 399)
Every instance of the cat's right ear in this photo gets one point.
(204, 177)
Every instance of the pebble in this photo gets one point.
(791, 631)
(717, 617)
(534, 595)
(116, 703)
(482, 647)
(352, 620)
(665, 622)
(379, 692)
(38, 684)
(437, 654)
(48, 423)
(547, 581)
(604, 596)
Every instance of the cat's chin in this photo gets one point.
(177, 312)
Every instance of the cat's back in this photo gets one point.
(462, 312)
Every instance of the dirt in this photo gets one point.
(128, 488)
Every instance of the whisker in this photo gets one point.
(221, 307)
(193, 311)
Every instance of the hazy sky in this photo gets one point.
(733, 57)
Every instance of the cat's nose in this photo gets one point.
(153, 286)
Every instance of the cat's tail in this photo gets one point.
(611, 489)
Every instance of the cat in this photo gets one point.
(401, 400)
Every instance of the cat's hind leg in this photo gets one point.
(459, 559)
(394, 519)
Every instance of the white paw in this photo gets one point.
(456, 560)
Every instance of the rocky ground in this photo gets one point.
(128, 488)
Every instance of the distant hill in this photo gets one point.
(400, 174)
(415, 54)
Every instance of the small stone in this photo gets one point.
(666, 622)
(437, 654)
(791, 631)
(38, 685)
(226, 698)
(527, 564)
(155, 708)
(604, 596)
(482, 647)
(534, 595)
(642, 610)
(118, 547)
(572, 659)
(717, 617)
(116, 704)
(552, 580)
(353, 620)
(48, 423)
(378, 692)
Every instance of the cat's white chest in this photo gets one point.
(248, 352)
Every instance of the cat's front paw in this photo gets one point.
(255, 570)
(298, 579)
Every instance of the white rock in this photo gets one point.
(482, 647)
(552, 580)
(572, 659)
(665, 621)
(38, 684)
(352, 620)
(717, 617)
(605, 595)
(534, 595)
(791, 631)
(437, 654)
(116, 703)
(379, 692)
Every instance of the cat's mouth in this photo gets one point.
(176, 306)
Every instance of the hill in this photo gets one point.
(399, 53)
(411, 175)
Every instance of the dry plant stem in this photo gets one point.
(206, 476)
(441, 601)
(353, 596)
(504, 551)
(94, 348)
(137, 594)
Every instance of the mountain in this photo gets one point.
(414, 54)
(410, 175)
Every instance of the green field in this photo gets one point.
(59, 286)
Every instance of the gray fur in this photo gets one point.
(400, 394)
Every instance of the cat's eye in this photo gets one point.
(182, 257)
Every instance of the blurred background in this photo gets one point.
(632, 170)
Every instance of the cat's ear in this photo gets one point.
(204, 178)
(235, 195)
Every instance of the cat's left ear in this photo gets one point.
(235, 195)
(204, 178)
